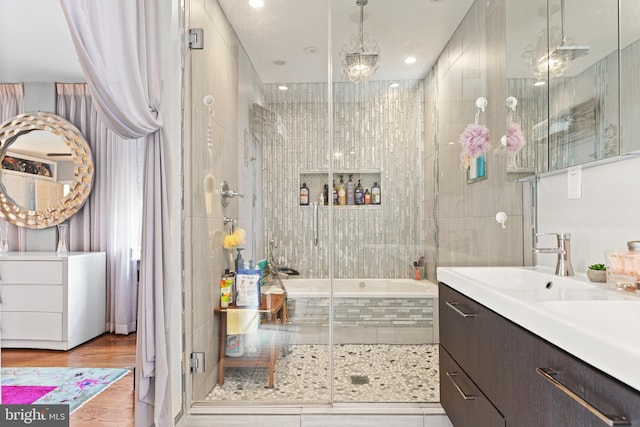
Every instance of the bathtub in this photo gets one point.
(354, 288)
(366, 311)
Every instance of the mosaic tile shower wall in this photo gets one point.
(378, 132)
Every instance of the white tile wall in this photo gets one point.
(606, 216)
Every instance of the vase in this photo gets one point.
(599, 276)
(62, 240)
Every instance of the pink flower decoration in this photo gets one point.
(475, 140)
(515, 139)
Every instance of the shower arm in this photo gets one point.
(563, 42)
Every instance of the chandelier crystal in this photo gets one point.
(360, 57)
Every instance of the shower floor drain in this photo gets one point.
(359, 379)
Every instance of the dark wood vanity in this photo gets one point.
(495, 373)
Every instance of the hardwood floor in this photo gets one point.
(112, 407)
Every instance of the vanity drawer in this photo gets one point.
(30, 272)
(462, 400)
(32, 298)
(475, 337)
(462, 326)
(31, 326)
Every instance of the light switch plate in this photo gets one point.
(574, 182)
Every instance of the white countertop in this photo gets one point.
(596, 324)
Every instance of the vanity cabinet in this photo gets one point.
(525, 379)
(50, 301)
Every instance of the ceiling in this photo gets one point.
(35, 43)
(35, 36)
(297, 32)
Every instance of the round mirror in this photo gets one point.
(47, 170)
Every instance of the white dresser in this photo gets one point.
(50, 301)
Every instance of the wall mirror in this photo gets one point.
(47, 170)
(562, 66)
(629, 77)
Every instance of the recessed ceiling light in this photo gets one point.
(256, 3)
(311, 50)
(283, 87)
(279, 62)
(394, 85)
(539, 83)
(410, 60)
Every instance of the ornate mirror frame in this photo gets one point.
(83, 170)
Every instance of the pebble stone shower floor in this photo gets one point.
(390, 373)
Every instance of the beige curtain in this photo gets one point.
(118, 45)
(110, 221)
(11, 104)
(11, 100)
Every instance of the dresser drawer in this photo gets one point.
(30, 272)
(32, 298)
(31, 326)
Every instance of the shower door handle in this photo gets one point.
(315, 224)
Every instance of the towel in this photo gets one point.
(242, 321)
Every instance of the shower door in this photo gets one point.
(384, 323)
(265, 135)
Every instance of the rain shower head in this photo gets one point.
(568, 52)
(571, 52)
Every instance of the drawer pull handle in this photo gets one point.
(464, 395)
(610, 420)
(454, 307)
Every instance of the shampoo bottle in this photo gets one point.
(367, 197)
(335, 193)
(239, 260)
(359, 194)
(375, 194)
(325, 193)
(342, 192)
(351, 191)
(304, 195)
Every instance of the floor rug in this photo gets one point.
(66, 386)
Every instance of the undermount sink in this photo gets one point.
(619, 318)
(621, 312)
(522, 279)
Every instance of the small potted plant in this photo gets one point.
(597, 273)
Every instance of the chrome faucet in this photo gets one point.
(563, 266)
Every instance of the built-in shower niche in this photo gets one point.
(316, 180)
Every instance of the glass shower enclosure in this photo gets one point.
(329, 183)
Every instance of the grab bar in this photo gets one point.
(609, 419)
(315, 224)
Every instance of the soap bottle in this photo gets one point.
(359, 194)
(342, 192)
(335, 193)
(239, 260)
(325, 194)
(351, 191)
(367, 197)
(225, 292)
(375, 194)
(304, 195)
